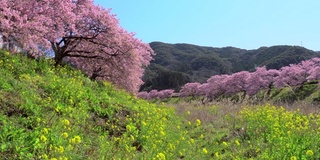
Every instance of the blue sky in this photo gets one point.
(247, 24)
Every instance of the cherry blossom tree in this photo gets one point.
(189, 89)
(237, 82)
(143, 95)
(79, 32)
(312, 67)
(298, 74)
(292, 75)
(154, 94)
(314, 74)
(167, 93)
(215, 86)
(33, 23)
(261, 79)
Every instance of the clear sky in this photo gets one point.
(247, 24)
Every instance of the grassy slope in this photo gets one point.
(53, 113)
(56, 112)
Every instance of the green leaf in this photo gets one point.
(3, 147)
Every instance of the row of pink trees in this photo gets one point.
(250, 83)
(262, 79)
(77, 31)
(154, 94)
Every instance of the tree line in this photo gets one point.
(246, 83)
(192, 63)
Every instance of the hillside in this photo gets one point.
(49, 112)
(55, 112)
(177, 64)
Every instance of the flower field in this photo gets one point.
(55, 113)
(279, 134)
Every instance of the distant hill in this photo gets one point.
(176, 64)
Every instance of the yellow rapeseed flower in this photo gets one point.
(161, 156)
(293, 158)
(204, 150)
(162, 133)
(44, 156)
(66, 122)
(198, 122)
(45, 131)
(65, 135)
(43, 138)
(58, 109)
(170, 146)
(59, 149)
(77, 139)
(63, 158)
(237, 143)
(309, 153)
(72, 140)
(225, 143)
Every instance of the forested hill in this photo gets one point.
(177, 64)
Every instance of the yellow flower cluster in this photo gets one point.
(75, 140)
(65, 122)
(198, 122)
(59, 149)
(65, 135)
(45, 131)
(43, 138)
(309, 153)
(204, 150)
(161, 156)
(282, 129)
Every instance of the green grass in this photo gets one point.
(49, 112)
(52, 112)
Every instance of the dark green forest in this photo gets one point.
(177, 64)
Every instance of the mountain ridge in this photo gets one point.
(176, 64)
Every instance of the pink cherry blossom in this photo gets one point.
(77, 31)
(189, 89)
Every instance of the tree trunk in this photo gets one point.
(58, 58)
(59, 52)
